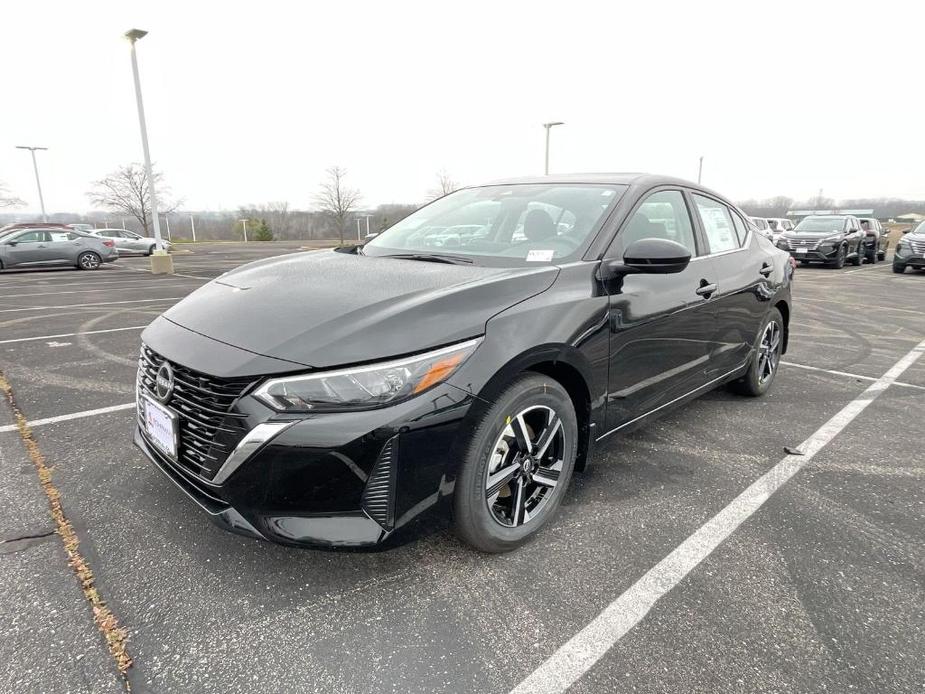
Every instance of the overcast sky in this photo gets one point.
(251, 102)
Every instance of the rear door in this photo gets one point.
(739, 304)
(660, 325)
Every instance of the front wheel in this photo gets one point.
(899, 268)
(768, 349)
(840, 256)
(517, 465)
(150, 251)
(88, 261)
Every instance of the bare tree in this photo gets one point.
(445, 185)
(7, 199)
(336, 200)
(126, 190)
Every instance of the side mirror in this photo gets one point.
(648, 256)
(12, 243)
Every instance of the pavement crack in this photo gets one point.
(106, 621)
(23, 542)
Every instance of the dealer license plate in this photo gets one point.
(161, 426)
(801, 250)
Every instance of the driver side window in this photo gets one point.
(662, 215)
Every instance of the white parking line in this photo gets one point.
(866, 306)
(589, 645)
(173, 274)
(101, 303)
(845, 373)
(87, 332)
(68, 417)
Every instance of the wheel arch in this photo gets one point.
(568, 367)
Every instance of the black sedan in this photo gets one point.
(332, 398)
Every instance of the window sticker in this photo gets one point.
(539, 256)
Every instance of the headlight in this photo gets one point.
(782, 243)
(364, 387)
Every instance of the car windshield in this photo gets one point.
(821, 224)
(506, 225)
(920, 229)
(760, 223)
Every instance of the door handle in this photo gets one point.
(766, 269)
(706, 289)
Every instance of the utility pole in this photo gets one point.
(700, 170)
(192, 225)
(158, 264)
(167, 222)
(548, 127)
(244, 222)
(367, 225)
(358, 229)
(38, 183)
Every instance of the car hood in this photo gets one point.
(324, 309)
(811, 234)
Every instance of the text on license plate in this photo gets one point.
(801, 250)
(161, 425)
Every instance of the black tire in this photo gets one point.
(88, 260)
(150, 251)
(872, 254)
(859, 255)
(882, 254)
(478, 520)
(899, 268)
(839, 261)
(756, 381)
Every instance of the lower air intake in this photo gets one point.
(379, 495)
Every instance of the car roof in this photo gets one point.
(637, 180)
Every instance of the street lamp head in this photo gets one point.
(134, 34)
(31, 148)
(549, 125)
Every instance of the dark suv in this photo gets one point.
(829, 239)
(910, 251)
(878, 239)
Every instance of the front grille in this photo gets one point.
(379, 495)
(802, 243)
(208, 429)
(918, 247)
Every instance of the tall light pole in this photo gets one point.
(38, 183)
(548, 127)
(700, 170)
(244, 222)
(134, 35)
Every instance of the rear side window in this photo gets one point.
(662, 215)
(717, 224)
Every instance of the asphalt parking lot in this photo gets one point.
(821, 589)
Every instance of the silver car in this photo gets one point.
(129, 241)
(38, 246)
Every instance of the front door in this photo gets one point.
(660, 324)
(30, 247)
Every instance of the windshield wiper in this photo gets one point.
(432, 258)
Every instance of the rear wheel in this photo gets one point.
(150, 251)
(882, 254)
(763, 368)
(872, 254)
(517, 465)
(88, 261)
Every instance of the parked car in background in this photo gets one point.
(910, 251)
(331, 398)
(829, 239)
(130, 242)
(54, 246)
(87, 228)
(761, 224)
(32, 225)
(878, 239)
(779, 225)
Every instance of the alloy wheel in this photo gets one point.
(769, 352)
(525, 465)
(89, 261)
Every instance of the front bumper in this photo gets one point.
(336, 479)
(820, 254)
(909, 258)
